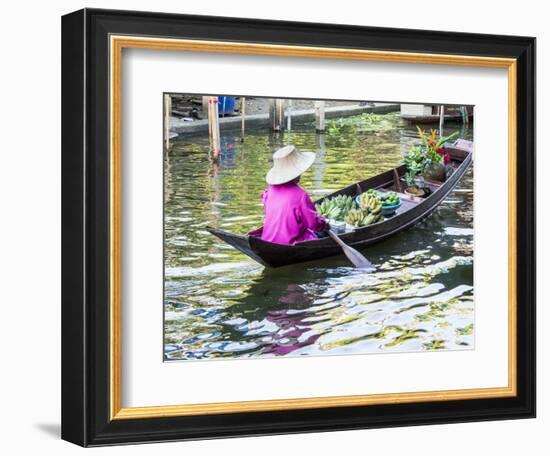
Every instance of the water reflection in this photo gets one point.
(220, 304)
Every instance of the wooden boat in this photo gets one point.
(452, 114)
(411, 211)
(433, 118)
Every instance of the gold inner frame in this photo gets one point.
(117, 44)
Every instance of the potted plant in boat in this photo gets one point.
(415, 163)
(426, 160)
(435, 157)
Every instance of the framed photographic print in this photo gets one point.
(275, 227)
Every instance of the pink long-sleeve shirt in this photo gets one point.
(290, 215)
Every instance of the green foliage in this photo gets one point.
(410, 178)
(430, 142)
(415, 162)
(367, 121)
(423, 156)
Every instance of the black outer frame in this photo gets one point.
(85, 227)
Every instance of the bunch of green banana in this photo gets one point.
(328, 209)
(345, 203)
(361, 217)
(370, 203)
(356, 217)
(336, 208)
(373, 218)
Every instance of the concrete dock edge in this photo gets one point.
(180, 126)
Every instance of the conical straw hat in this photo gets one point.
(288, 163)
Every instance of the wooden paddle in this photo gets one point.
(358, 260)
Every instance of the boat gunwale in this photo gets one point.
(323, 242)
(424, 209)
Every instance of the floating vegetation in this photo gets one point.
(466, 331)
(406, 335)
(437, 310)
(365, 122)
(434, 345)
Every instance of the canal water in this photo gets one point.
(221, 304)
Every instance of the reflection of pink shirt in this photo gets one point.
(290, 215)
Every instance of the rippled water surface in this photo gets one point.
(220, 304)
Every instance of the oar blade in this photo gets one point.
(357, 259)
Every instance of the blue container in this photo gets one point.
(226, 105)
(390, 210)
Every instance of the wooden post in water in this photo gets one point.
(205, 106)
(320, 164)
(206, 111)
(214, 127)
(289, 115)
(441, 120)
(288, 121)
(320, 116)
(243, 114)
(280, 113)
(276, 114)
(272, 110)
(167, 115)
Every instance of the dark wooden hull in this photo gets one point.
(411, 212)
(433, 118)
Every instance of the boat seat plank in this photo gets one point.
(406, 202)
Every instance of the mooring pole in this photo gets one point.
(206, 111)
(441, 120)
(319, 116)
(320, 164)
(272, 114)
(276, 114)
(167, 115)
(205, 106)
(289, 116)
(214, 127)
(243, 114)
(280, 113)
(289, 119)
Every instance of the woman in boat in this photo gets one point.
(289, 214)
